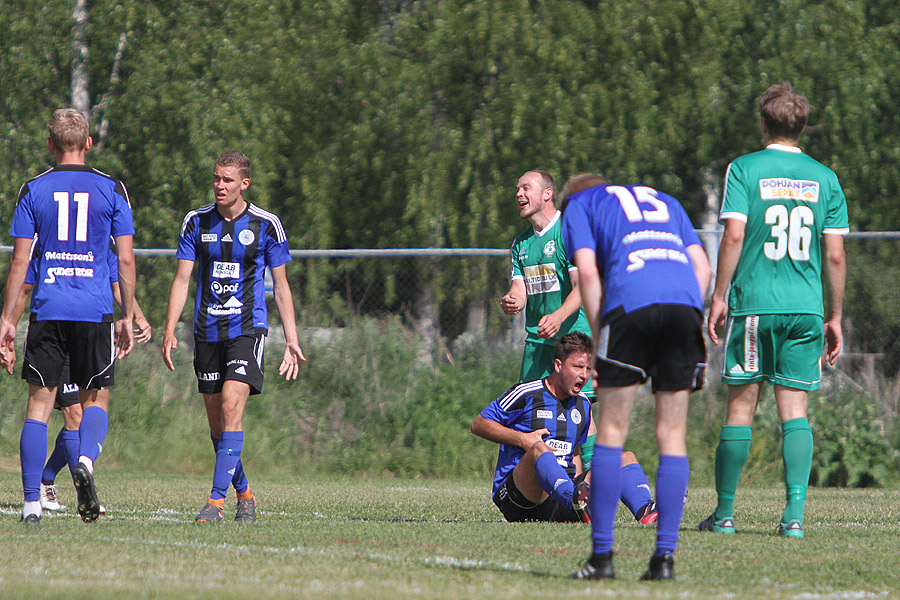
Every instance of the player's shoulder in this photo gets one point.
(277, 229)
(518, 395)
(190, 219)
(524, 235)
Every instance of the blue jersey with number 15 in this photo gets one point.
(640, 237)
(71, 211)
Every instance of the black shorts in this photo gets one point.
(663, 342)
(87, 347)
(237, 359)
(516, 508)
(66, 393)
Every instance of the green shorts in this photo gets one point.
(785, 349)
(537, 363)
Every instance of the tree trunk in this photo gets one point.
(79, 82)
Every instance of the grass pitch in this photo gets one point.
(391, 538)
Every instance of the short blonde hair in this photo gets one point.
(68, 130)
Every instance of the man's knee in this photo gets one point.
(628, 458)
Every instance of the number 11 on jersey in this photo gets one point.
(62, 215)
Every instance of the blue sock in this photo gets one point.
(671, 487)
(94, 425)
(228, 455)
(239, 481)
(606, 480)
(553, 479)
(635, 488)
(32, 453)
(73, 445)
(57, 460)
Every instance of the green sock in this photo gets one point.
(797, 452)
(587, 452)
(731, 454)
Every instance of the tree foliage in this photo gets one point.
(406, 123)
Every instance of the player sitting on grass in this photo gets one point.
(539, 425)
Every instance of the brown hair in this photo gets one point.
(68, 130)
(572, 343)
(579, 182)
(233, 158)
(784, 111)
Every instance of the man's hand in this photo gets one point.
(290, 365)
(142, 330)
(718, 310)
(170, 342)
(511, 304)
(834, 340)
(549, 326)
(8, 346)
(530, 439)
(8, 360)
(124, 337)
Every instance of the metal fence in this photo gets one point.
(448, 300)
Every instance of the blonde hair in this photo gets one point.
(68, 130)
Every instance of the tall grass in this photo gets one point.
(366, 405)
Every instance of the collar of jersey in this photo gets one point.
(221, 216)
(784, 148)
(549, 225)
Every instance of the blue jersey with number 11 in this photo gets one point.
(71, 211)
(640, 237)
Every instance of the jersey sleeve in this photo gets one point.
(576, 228)
(686, 229)
(515, 269)
(31, 273)
(112, 260)
(495, 411)
(736, 197)
(836, 219)
(23, 224)
(187, 240)
(277, 251)
(122, 222)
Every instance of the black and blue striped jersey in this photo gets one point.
(232, 256)
(530, 406)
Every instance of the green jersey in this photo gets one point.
(539, 259)
(787, 200)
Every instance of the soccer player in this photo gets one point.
(643, 274)
(782, 211)
(66, 447)
(234, 242)
(542, 283)
(68, 215)
(539, 425)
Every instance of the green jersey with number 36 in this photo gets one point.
(788, 201)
